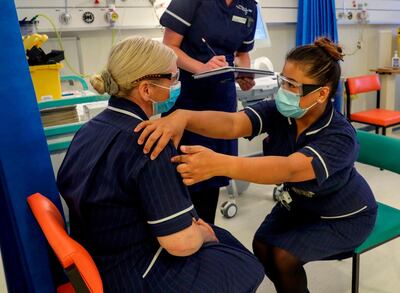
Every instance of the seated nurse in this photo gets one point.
(133, 214)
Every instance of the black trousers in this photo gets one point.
(205, 202)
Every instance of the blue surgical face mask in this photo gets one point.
(288, 104)
(165, 106)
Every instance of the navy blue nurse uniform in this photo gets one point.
(330, 215)
(120, 201)
(227, 30)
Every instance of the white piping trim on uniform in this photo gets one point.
(248, 42)
(344, 216)
(171, 217)
(152, 262)
(290, 121)
(259, 118)
(124, 112)
(178, 17)
(320, 158)
(326, 125)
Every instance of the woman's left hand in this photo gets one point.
(197, 164)
(160, 131)
(246, 83)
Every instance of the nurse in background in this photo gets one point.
(205, 35)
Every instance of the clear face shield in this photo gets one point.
(295, 87)
(287, 99)
(175, 77)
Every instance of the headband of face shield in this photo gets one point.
(171, 76)
(288, 97)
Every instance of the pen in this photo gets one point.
(208, 46)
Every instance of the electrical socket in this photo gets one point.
(349, 15)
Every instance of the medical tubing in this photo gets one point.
(59, 40)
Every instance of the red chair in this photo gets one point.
(76, 261)
(380, 118)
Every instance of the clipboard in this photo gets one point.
(239, 72)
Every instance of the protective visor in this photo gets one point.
(295, 87)
(174, 77)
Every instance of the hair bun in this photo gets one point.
(334, 50)
(97, 83)
(110, 85)
(104, 83)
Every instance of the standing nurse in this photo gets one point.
(208, 34)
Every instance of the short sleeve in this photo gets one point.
(165, 200)
(179, 15)
(261, 116)
(331, 154)
(248, 43)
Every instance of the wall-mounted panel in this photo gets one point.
(82, 19)
(79, 3)
(139, 14)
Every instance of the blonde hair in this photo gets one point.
(129, 60)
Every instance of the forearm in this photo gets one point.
(215, 124)
(264, 170)
(186, 62)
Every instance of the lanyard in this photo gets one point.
(124, 112)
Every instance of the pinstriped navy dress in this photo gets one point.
(330, 215)
(227, 29)
(120, 201)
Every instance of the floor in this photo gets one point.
(380, 267)
(3, 287)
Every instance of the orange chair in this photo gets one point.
(76, 261)
(380, 118)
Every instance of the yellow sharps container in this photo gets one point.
(46, 81)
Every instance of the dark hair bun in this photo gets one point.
(334, 50)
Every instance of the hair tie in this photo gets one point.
(110, 85)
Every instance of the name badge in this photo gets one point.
(239, 19)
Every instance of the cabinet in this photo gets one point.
(59, 137)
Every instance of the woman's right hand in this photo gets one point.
(161, 130)
(214, 63)
(207, 232)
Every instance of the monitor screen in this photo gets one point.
(261, 37)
